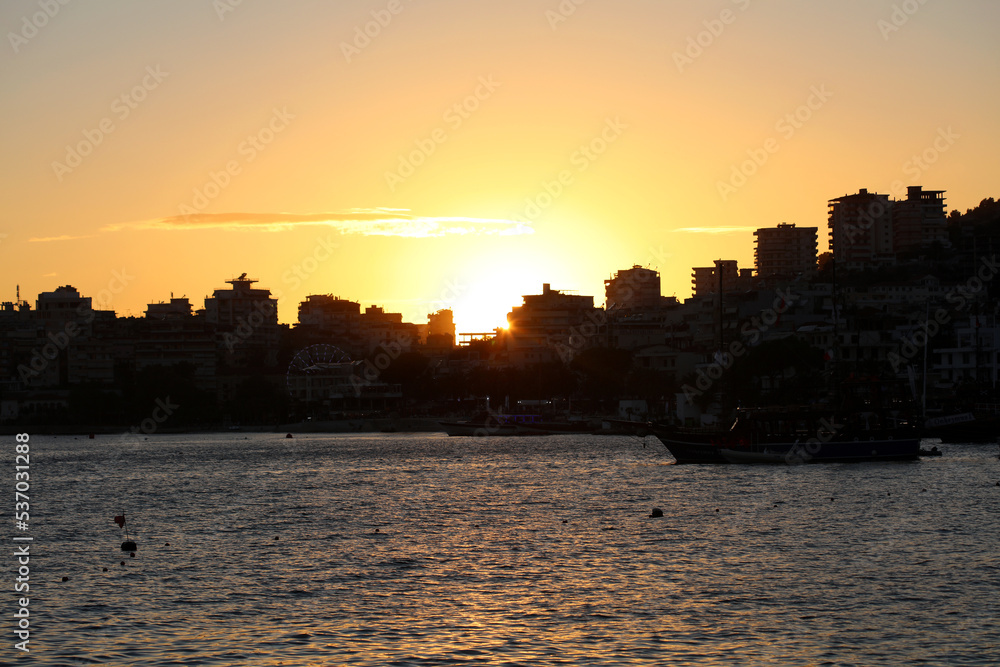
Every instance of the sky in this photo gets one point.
(428, 154)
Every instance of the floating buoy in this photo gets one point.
(132, 555)
(105, 569)
(91, 436)
(128, 544)
(657, 512)
(288, 435)
(65, 578)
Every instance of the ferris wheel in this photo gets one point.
(310, 360)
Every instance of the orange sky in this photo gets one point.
(465, 152)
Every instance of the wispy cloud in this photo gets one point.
(64, 237)
(365, 222)
(715, 230)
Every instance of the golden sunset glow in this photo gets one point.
(460, 154)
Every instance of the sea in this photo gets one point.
(419, 549)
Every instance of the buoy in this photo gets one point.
(565, 521)
(276, 537)
(128, 545)
(123, 563)
(105, 569)
(657, 512)
(167, 544)
(288, 435)
(91, 436)
(132, 555)
(65, 578)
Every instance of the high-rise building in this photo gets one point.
(869, 229)
(553, 326)
(246, 320)
(919, 220)
(785, 250)
(705, 279)
(230, 308)
(170, 335)
(861, 229)
(637, 288)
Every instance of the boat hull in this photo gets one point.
(479, 429)
(704, 448)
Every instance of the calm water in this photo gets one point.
(503, 551)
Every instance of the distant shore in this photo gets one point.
(356, 425)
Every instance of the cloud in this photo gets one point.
(365, 222)
(715, 230)
(64, 237)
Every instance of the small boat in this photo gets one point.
(978, 426)
(491, 424)
(556, 428)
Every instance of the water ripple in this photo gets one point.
(368, 549)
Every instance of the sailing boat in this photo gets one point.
(128, 544)
(845, 431)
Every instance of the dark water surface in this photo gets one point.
(502, 551)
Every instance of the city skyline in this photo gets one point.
(375, 150)
(299, 274)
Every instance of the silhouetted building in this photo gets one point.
(861, 229)
(869, 229)
(175, 309)
(387, 330)
(331, 314)
(637, 288)
(553, 326)
(919, 220)
(246, 321)
(170, 335)
(785, 250)
(62, 305)
(705, 279)
(68, 322)
(440, 330)
(324, 318)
